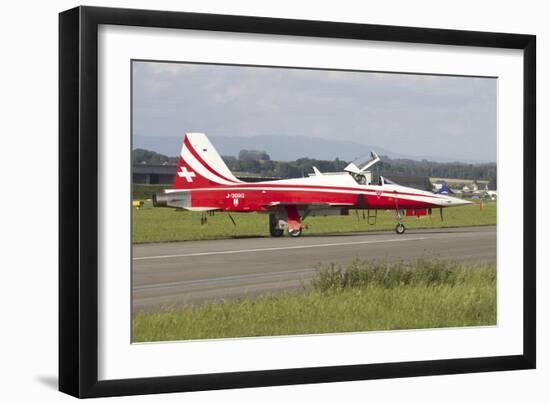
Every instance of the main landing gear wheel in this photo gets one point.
(400, 228)
(276, 232)
(273, 229)
(295, 233)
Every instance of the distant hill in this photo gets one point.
(282, 148)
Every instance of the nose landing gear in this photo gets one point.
(400, 228)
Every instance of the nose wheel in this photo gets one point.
(400, 228)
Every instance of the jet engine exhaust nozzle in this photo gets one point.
(179, 200)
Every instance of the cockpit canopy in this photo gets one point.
(362, 167)
(366, 179)
(385, 181)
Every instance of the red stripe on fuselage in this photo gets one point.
(244, 186)
(202, 162)
(260, 200)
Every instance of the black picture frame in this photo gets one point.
(78, 201)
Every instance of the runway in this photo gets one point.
(193, 272)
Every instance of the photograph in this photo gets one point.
(250, 201)
(274, 201)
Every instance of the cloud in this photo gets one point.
(410, 114)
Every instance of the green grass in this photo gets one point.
(146, 191)
(362, 297)
(165, 224)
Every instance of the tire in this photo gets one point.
(295, 233)
(273, 230)
(276, 232)
(400, 228)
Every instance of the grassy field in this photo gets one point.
(362, 297)
(165, 224)
(146, 191)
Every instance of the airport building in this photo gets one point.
(164, 174)
(153, 174)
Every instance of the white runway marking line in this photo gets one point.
(223, 279)
(277, 248)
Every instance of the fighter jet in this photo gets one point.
(204, 183)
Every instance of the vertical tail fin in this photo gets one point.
(200, 165)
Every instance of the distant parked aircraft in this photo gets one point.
(444, 190)
(204, 183)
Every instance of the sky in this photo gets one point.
(413, 115)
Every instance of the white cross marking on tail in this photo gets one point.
(187, 174)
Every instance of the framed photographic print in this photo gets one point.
(250, 201)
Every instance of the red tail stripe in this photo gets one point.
(200, 160)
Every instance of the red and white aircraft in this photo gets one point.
(204, 183)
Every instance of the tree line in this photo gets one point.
(259, 162)
(143, 156)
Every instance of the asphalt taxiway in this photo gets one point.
(192, 272)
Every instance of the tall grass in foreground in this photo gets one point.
(423, 272)
(361, 297)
